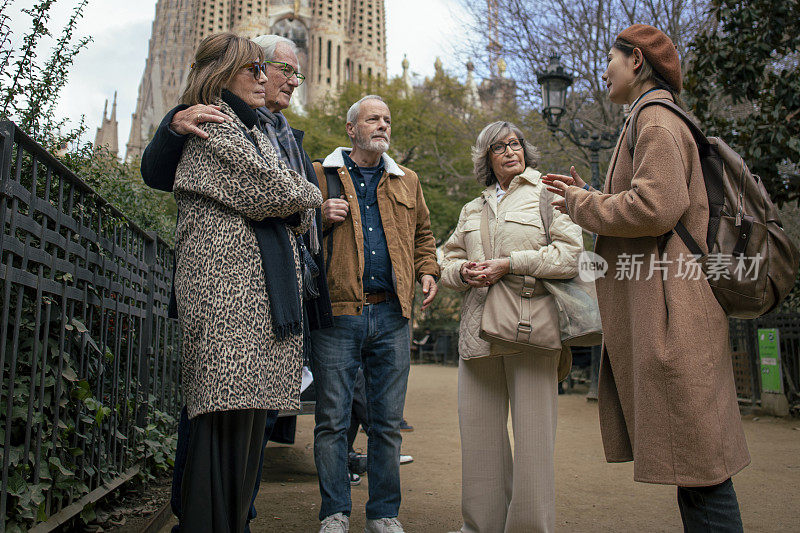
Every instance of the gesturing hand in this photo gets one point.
(569, 181)
(189, 120)
(561, 205)
(558, 184)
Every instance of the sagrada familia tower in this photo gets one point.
(338, 41)
(106, 135)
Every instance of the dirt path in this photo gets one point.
(591, 494)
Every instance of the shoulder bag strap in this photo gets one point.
(546, 211)
(487, 245)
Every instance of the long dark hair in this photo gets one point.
(648, 73)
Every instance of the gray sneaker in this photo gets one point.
(384, 525)
(335, 523)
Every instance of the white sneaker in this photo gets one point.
(405, 459)
(384, 525)
(335, 523)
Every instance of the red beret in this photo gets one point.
(659, 51)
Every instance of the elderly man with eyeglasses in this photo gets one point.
(160, 161)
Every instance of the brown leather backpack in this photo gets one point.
(752, 264)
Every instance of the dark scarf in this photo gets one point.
(281, 137)
(276, 128)
(275, 246)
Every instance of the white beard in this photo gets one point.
(370, 145)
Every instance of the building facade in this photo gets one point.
(338, 41)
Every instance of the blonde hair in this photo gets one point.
(217, 60)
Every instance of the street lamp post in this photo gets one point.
(555, 81)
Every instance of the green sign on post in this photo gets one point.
(769, 350)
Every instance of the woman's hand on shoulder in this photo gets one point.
(189, 120)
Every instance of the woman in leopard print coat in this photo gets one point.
(235, 364)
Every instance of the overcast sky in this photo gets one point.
(114, 60)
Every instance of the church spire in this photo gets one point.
(106, 135)
(407, 87)
(473, 96)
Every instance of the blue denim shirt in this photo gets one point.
(377, 263)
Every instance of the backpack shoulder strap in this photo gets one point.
(697, 133)
(699, 138)
(332, 181)
(333, 184)
(546, 211)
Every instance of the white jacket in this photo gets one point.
(515, 229)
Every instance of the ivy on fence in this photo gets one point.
(88, 359)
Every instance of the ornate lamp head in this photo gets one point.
(554, 81)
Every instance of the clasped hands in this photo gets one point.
(485, 273)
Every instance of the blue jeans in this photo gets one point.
(181, 452)
(380, 338)
(710, 509)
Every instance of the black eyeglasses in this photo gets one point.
(288, 71)
(257, 68)
(500, 147)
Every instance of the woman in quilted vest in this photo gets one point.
(239, 298)
(501, 493)
(667, 396)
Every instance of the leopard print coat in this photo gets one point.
(231, 357)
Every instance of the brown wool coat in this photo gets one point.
(231, 356)
(406, 224)
(667, 398)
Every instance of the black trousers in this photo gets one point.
(221, 470)
(712, 509)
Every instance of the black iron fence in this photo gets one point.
(746, 363)
(89, 362)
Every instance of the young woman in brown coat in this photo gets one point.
(667, 398)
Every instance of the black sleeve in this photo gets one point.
(160, 158)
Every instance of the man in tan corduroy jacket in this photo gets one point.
(378, 242)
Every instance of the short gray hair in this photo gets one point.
(269, 43)
(490, 135)
(352, 113)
